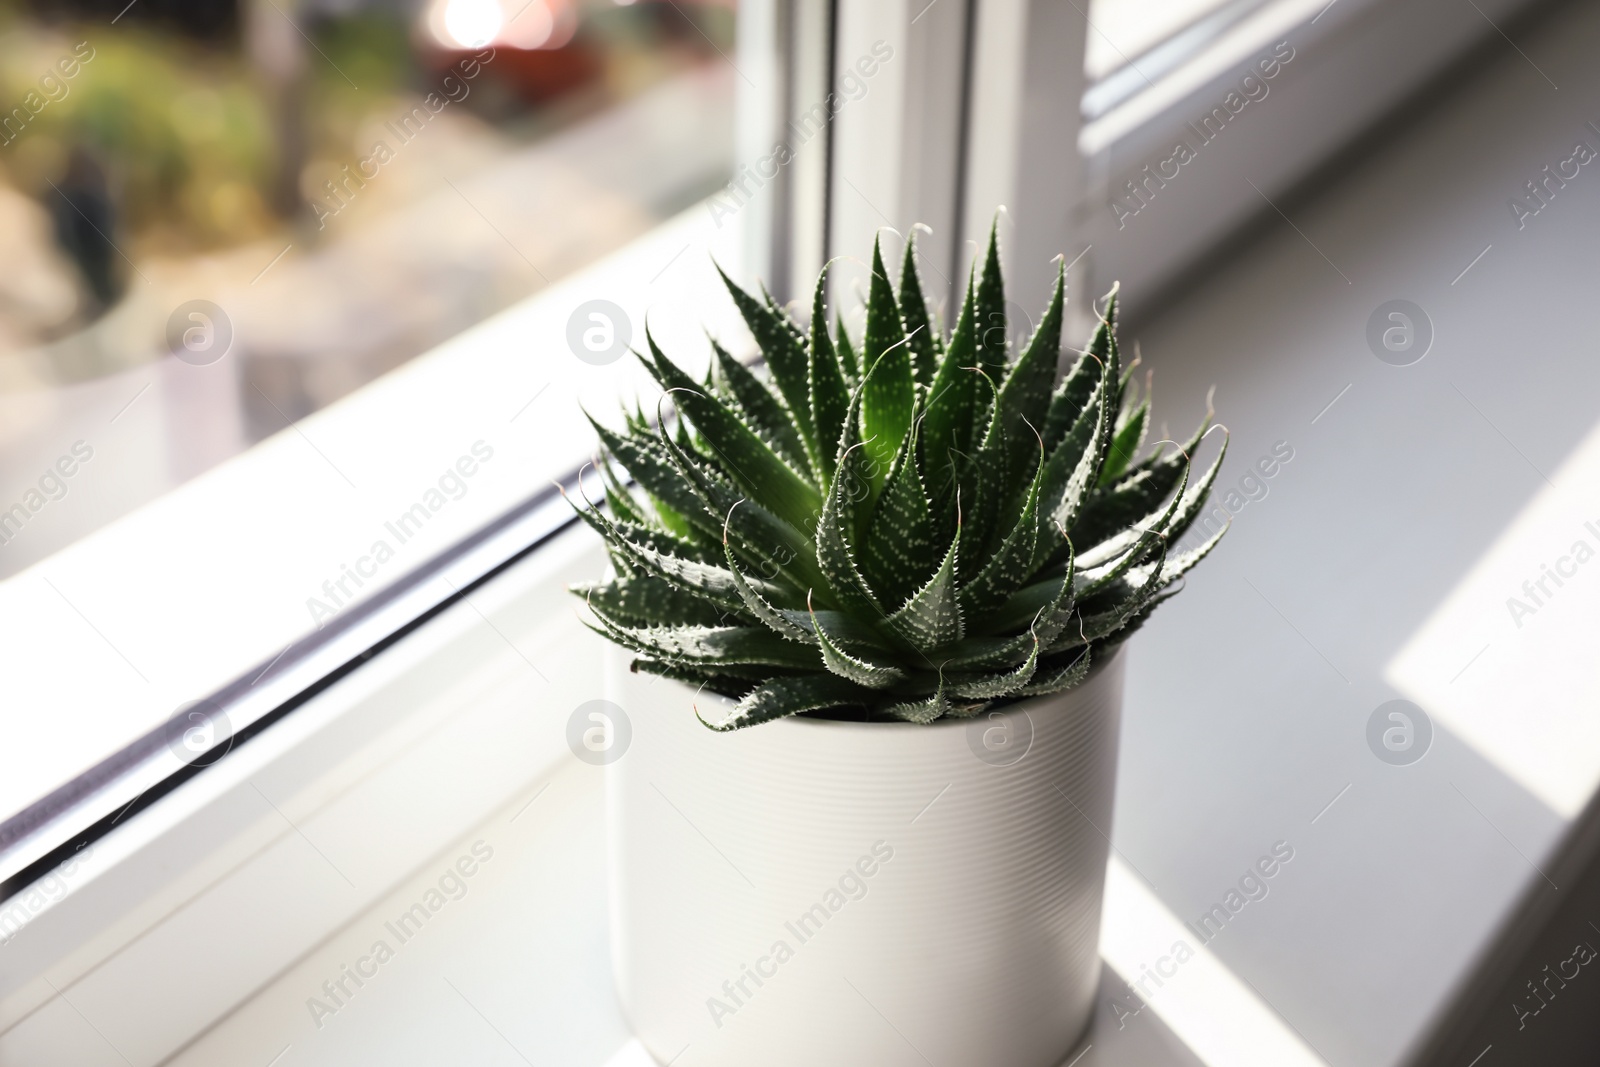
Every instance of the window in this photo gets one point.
(238, 226)
(232, 215)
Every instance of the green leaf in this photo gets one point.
(932, 709)
(1057, 678)
(704, 580)
(709, 645)
(785, 355)
(836, 555)
(618, 499)
(920, 334)
(991, 310)
(931, 618)
(845, 628)
(947, 427)
(1012, 563)
(1112, 511)
(764, 412)
(1103, 345)
(1024, 397)
(986, 489)
(888, 390)
(899, 552)
(650, 601)
(848, 360)
(858, 669)
(830, 395)
(994, 686)
(1194, 499)
(1044, 608)
(762, 539)
(761, 607)
(1023, 606)
(653, 469)
(782, 314)
(1069, 400)
(1157, 522)
(743, 456)
(989, 653)
(1114, 605)
(1082, 453)
(1180, 564)
(1125, 444)
(783, 697)
(1090, 580)
(732, 681)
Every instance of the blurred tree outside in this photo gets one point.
(192, 127)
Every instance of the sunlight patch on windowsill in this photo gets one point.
(1211, 1010)
(1508, 660)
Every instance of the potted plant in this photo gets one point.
(871, 606)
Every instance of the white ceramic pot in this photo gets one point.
(811, 892)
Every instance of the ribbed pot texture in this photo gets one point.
(810, 892)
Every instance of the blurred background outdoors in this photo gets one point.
(185, 151)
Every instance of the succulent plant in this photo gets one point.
(909, 527)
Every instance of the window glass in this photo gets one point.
(220, 217)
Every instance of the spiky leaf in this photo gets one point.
(888, 393)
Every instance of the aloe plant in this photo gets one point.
(911, 526)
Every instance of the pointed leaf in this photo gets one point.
(857, 669)
(732, 681)
(836, 555)
(1012, 563)
(1182, 563)
(947, 427)
(764, 412)
(783, 697)
(849, 498)
(1114, 607)
(994, 686)
(991, 310)
(785, 355)
(929, 710)
(745, 459)
(1024, 397)
(762, 539)
(888, 392)
(1194, 499)
(652, 468)
(899, 552)
(761, 607)
(1057, 679)
(1071, 396)
(709, 582)
(650, 601)
(830, 395)
(1156, 522)
(848, 360)
(985, 488)
(931, 618)
(1084, 450)
(711, 646)
(618, 498)
(1090, 580)
(914, 314)
(1125, 444)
